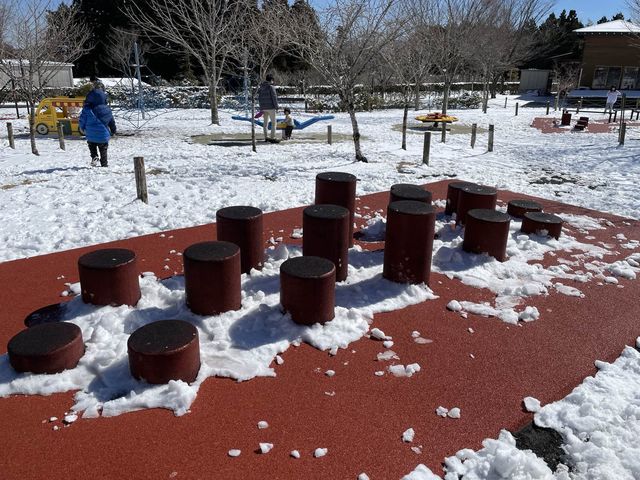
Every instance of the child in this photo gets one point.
(288, 121)
(97, 123)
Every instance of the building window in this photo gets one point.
(600, 78)
(614, 76)
(630, 77)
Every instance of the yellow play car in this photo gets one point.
(64, 110)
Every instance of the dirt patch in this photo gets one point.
(453, 128)
(9, 186)
(244, 140)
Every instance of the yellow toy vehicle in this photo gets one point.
(64, 110)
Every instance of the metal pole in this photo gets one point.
(427, 148)
(136, 53)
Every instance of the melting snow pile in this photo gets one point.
(240, 344)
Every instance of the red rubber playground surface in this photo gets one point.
(362, 423)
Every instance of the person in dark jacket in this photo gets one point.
(268, 101)
(97, 123)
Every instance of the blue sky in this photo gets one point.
(592, 9)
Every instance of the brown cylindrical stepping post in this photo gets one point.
(409, 191)
(409, 241)
(487, 231)
(307, 289)
(242, 225)
(109, 276)
(212, 277)
(46, 348)
(337, 188)
(164, 350)
(538, 222)
(326, 235)
(453, 190)
(474, 196)
(517, 208)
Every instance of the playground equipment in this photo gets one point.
(280, 125)
(52, 111)
(436, 118)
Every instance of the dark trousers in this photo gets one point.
(102, 147)
(287, 132)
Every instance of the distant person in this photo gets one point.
(97, 123)
(268, 100)
(288, 122)
(612, 98)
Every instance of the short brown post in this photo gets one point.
(109, 276)
(426, 148)
(474, 131)
(542, 224)
(338, 188)
(548, 106)
(444, 132)
(623, 132)
(141, 179)
(326, 235)
(487, 231)
(491, 133)
(474, 196)
(307, 289)
(453, 190)
(243, 225)
(517, 106)
(12, 142)
(212, 277)
(329, 140)
(61, 136)
(409, 241)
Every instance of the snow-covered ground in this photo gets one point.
(57, 201)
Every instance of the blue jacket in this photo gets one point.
(96, 119)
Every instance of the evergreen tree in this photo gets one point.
(556, 36)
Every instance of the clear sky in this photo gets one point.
(592, 9)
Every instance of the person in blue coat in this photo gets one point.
(97, 123)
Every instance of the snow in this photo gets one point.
(262, 424)
(402, 371)
(407, 435)
(265, 447)
(295, 454)
(532, 404)
(320, 452)
(234, 453)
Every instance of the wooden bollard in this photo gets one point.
(517, 106)
(444, 132)
(623, 132)
(491, 132)
(141, 179)
(505, 102)
(61, 136)
(548, 106)
(474, 131)
(12, 142)
(426, 148)
(329, 140)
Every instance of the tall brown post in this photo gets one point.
(444, 132)
(329, 139)
(12, 142)
(61, 136)
(491, 133)
(474, 131)
(517, 106)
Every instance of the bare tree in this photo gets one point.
(35, 41)
(119, 51)
(208, 30)
(264, 34)
(350, 34)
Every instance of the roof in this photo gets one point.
(15, 61)
(614, 27)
